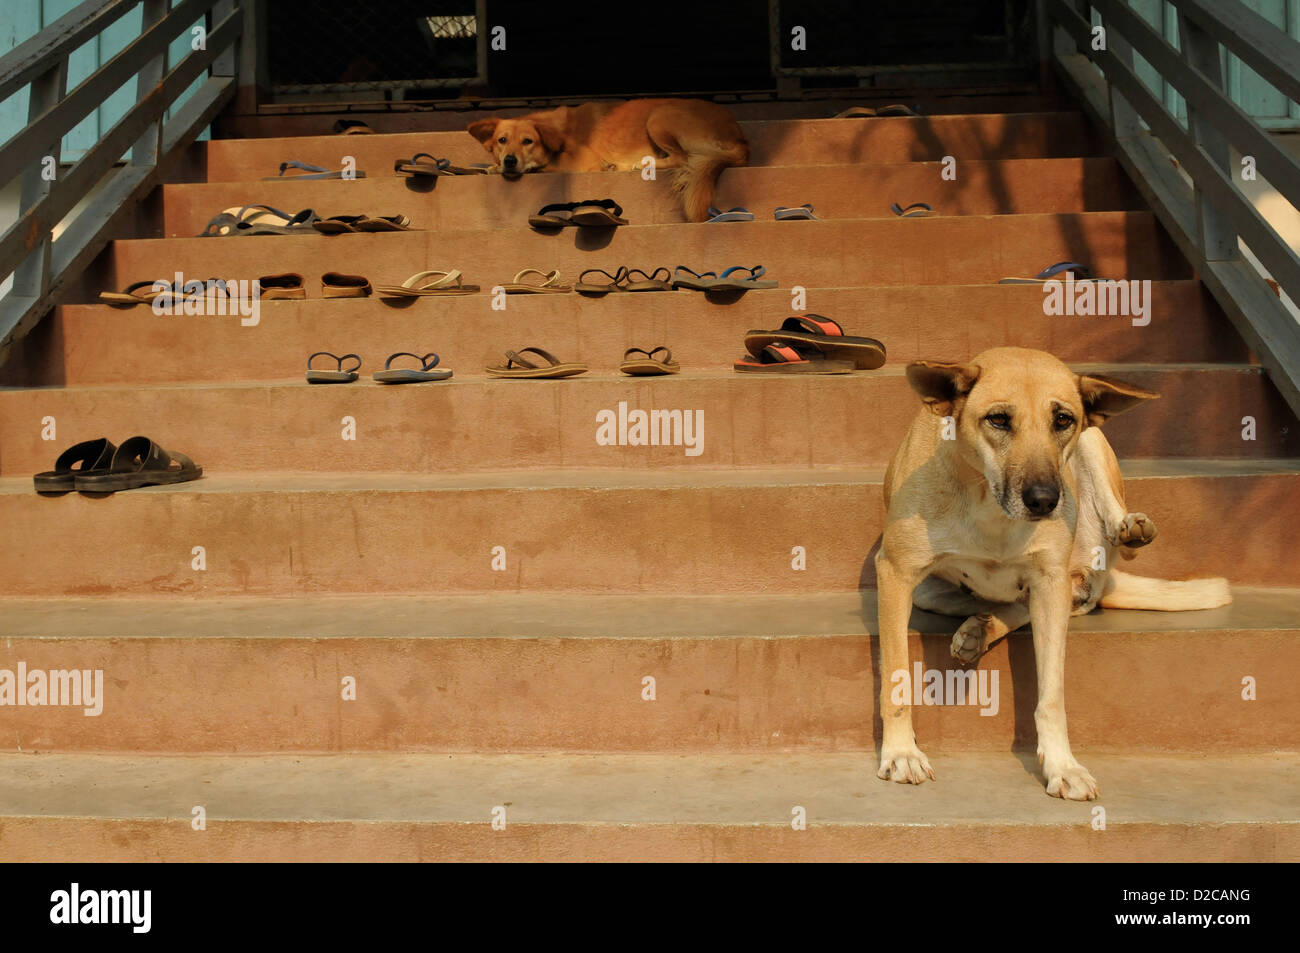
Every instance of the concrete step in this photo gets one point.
(525, 672)
(771, 142)
(970, 249)
(735, 420)
(718, 531)
(984, 807)
(97, 344)
(835, 191)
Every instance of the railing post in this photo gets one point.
(32, 277)
(1124, 119)
(1201, 51)
(145, 151)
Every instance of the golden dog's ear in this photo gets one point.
(1103, 398)
(551, 137)
(482, 129)
(941, 385)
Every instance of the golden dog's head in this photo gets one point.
(1016, 417)
(518, 145)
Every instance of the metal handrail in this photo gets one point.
(1207, 218)
(43, 267)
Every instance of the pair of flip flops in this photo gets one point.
(105, 468)
(809, 344)
(306, 171)
(259, 220)
(623, 279)
(781, 213)
(341, 224)
(1054, 273)
(428, 284)
(427, 371)
(164, 291)
(591, 213)
(333, 285)
(735, 278)
(423, 165)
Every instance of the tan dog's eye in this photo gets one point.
(528, 142)
(998, 421)
(1063, 422)
(502, 140)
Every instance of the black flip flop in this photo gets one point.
(555, 215)
(94, 457)
(339, 376)
(140, 462)
(407, 376)
(597, 212)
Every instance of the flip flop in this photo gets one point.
(423, 284)
(1081, 273)
(555, 215)
(790, 359)
(298, 224)
(339, 376)
(140, 462)
(336, 285)
(95, 456)
(131, 296)
(517, 366)
(615, 281)
(866, 112)
(232, 220)
(550, 283)
(915, 210)
(596, 212)
(695, 281)
(823, 333)
(736, 214)
(309, 172)
(338, 224)
(724, 281)
(407, 376)
(433, 167)
(648, 282)
(384, 223)
(800, 213)
(288, 285)
(352, 127)
(648, 365)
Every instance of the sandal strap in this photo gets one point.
(899, 210)
(754, 273)
(513, 357)
(1061, 266)
(615, 278)
(558, 207)
(417, 281)
(425, 363)
(295, 164)
(651, 276)
(337, 360)
(813, 324)
(549, 277)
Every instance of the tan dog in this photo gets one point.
(692, 138)
(1000, 499)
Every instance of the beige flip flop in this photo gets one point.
(132, 294)
(333, 284)
(425, 284)
(550, 283)
(517, 366)
(648, 364)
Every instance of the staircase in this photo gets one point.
(512, 683)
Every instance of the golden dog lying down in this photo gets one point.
(692, 138)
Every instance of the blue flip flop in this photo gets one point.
(795, 214)
(683, 277)
(1081, 273)
(311, 172)
(736, 214)
(725, 281)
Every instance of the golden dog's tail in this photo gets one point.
(1124, 591)
(695, 179)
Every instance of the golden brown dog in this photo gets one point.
(1005, 504)
(694, 139)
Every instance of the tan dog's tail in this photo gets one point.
(1124, 591)
(695, 179)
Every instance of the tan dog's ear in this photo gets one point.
(1104, 398)
(551, 137)
(941, 385)
(482, 129)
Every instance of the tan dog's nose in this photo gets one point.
(510, 161)
(1040, 498)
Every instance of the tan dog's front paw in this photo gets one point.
(1071, 781)
(972, 639)
(1136, 531)
(906, 765)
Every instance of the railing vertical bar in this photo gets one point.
(1201, 52)
(1293, 30)
(32, 277)
(1124, 118)
(1169, 27)
(227, 64)
(145, 151)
